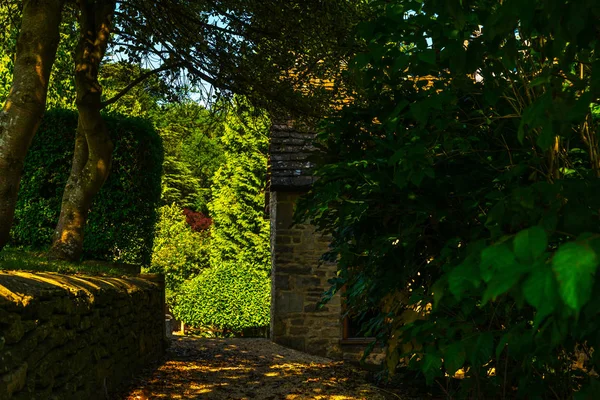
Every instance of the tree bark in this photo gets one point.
(93, 148)
(24, 107)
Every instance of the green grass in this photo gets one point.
(37, 261)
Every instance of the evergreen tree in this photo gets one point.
(241, 233)
(193, 153)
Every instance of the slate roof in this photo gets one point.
(289, 153)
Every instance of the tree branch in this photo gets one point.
(137, 81)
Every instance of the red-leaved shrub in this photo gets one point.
(196, 220)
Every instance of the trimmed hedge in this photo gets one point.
(121, 222)
(225, 297)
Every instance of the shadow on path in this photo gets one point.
(242, 369)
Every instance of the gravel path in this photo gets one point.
(241, 369)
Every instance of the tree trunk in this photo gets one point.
(21, 115)
(93, 147)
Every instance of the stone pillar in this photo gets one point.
(298, 282)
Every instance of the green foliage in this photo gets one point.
(228, 297)
(121, 221)
(179, 253)
(575, 267)
(12, 259)
(464, 174)
(141, 100)
(193, 153)
(61, 88)
(8, 42)
(242, 47)
(240, 233)
(234, 293)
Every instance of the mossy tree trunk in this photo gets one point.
(24, 107)
(93, 147)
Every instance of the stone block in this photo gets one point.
(277, 327)
(281, 157)
(315, 308)
(283, 239)
(282, 281)
(306, 136)
(317, 292)
(13, 381)
(285, 215)
(287, 232)
(279, 131)
(294, 269)
(283, 249)
(297, 343)
(15, 331)
(289, 302)
(45, 309)
(306, 282)
(298, 330)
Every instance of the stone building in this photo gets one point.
(298, 278)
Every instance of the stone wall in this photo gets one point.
(75, 337)
(298, 282)
(298, 278)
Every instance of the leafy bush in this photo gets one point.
(462, 193)
(122, 218)
(228, 297)
(179, 253)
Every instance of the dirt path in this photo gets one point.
(243, 369)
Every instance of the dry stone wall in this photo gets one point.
(74, 337)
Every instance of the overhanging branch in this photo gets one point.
(137, 81)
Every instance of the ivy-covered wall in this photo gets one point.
(73, 337)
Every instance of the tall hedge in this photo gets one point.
(121, 223)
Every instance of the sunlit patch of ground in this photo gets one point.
(243, 369)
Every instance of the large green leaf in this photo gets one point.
(454, 357)
(502, 281)
(462, 278)
(540, 291)
(530, 244)
(496, 258)
(482, 350)
(575, 266)
(432, 364)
